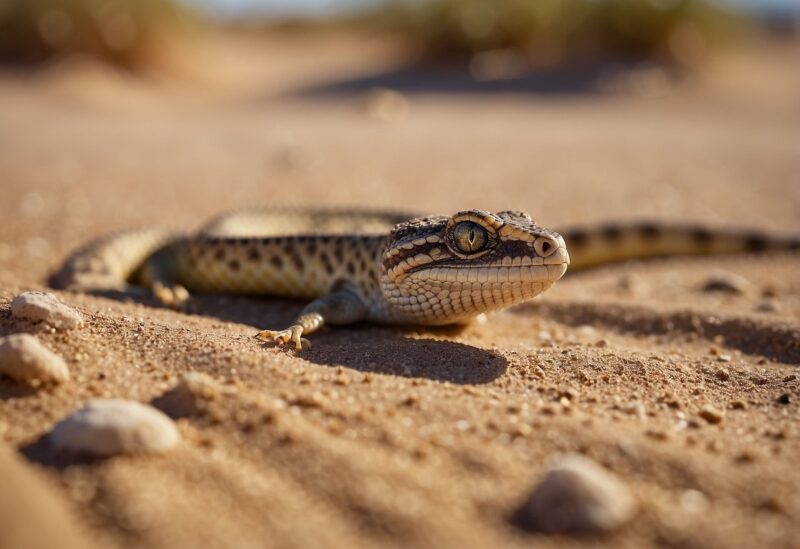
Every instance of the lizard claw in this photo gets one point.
(175, 297)
(292, 333)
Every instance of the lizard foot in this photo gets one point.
(174, 297)
(292, 333)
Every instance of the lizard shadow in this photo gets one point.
(392, 350)
(389, 352)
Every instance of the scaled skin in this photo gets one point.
(441, 270)
(360, 265)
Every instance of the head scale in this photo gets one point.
(440, 270)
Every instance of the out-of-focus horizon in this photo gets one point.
(323, 8)
(524, 34)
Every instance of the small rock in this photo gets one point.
(522, 430)
(723, 358)
(770, 291)
(726, 282)
(24, 358)
(636, 409)
(108, 427)
(629, 283)
(577, 495)
(745, 457)
(386, 105)
(722, 374)
(738, 405)
(714, 446)
(772, 503)
(768, 306)
(657, 434)
(784, 399)
(711, 414)
(45, 307)
(567, 393)
(313, 400)
(694, 501)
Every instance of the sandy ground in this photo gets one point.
(413, 437)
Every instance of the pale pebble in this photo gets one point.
(108, 427)
(726, 282)
(24, 358)
(45, 307)
(577, 495)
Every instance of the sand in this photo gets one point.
(381, 436)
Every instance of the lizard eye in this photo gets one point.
(470, 237)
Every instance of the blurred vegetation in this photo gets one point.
(554, 31)
(127, 33)
(132, 33)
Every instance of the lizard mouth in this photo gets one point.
(494, 273)
(520, 269)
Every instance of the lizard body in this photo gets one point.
(377, 266)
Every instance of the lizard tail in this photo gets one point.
(109, 262)
(595, 245)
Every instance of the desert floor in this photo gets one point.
(412, 437)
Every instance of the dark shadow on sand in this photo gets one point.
(385, 351)
(572, 79)
(392, 350)
(42, 452)
(10, 390)
(778, 341)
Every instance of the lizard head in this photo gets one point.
(440, 270)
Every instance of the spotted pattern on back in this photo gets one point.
(409, 270)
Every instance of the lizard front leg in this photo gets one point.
(157, 275)
(344, 304)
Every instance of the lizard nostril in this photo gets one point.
(545, 246)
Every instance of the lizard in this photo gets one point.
(384, 267)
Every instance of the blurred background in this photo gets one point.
(128, 113)
(123, 112)
(535, 33)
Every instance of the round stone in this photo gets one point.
(108, 427)
(577, 495)
(23, 358)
